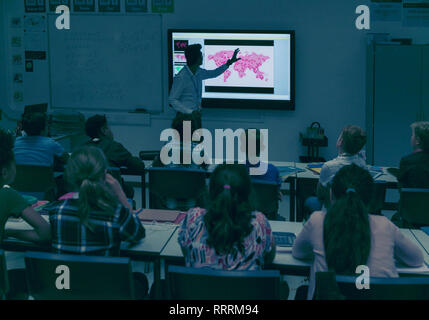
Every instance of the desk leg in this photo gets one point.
(143, 186)
(292, 200)
(157, 278)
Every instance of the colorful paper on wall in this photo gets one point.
(84, 5)
(386, 10)
(135, 5)
(35, 5)
(109, 6)
(163, 6)
(53, 4)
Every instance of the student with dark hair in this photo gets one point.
(97, 129)
(349, 144)
(96, 219)
(347, 236)
(414, 168)
(227, 235)
(183, 144)
(35, 148)
(186, 91)
(12, 204)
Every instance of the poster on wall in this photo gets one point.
(35, 5)
(53, 4)
(109, 6)
(84, 5)
(163, 6)
(386, 10)
(135, 5)
(416, 13)
(34, 23)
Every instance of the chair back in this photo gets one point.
(35, 180)
(265, 197)
(208, 284)
(331, 286)
(414, 206)
(184, 187)
(88, 277)
(4, 279)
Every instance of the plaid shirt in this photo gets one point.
(69, 235)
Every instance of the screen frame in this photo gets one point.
(241, 103)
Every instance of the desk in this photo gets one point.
(423, 240)
(283, 261)
(148, 249)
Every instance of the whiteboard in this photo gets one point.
(108, 62)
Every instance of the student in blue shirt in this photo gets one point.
(35, 148)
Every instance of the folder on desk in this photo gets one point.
(315, 167)
(286, 171)
(426, 230)
(159, 215)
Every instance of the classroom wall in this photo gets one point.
(330, 69)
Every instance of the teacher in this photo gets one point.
(186, 92)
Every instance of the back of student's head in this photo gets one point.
(34, 123)
(421, 133)
(178, 123)
(192, 54)
(347, 234)
(94, 125)
(228, 219)
(86, 172)
(6, 151)
(354, 139)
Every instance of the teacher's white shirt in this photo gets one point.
(186, 92)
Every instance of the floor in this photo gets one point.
(16, 259)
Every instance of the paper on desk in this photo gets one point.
(283, 249)
(422, 269)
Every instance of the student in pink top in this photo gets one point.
(347, 235)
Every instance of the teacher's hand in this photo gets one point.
(234, 57)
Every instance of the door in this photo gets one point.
(397, 99)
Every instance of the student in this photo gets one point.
(183, 145)
(414, 168)
(229, 235)
(349, 144)
(94, 221)
(12, 204)
(102, 137)
(347, 235)
(35, 148)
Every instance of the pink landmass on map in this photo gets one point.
(250, 61)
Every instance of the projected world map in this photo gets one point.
(252, 61)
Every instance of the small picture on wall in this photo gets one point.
(18, 96)
(15, 22)
(16, 42)
(17, 78)
(17, 59)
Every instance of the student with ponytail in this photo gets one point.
(229, 235)
(347, 235)
(94, 221)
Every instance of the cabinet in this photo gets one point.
(397, 95)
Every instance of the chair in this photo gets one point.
(4, 279)
(414, 206)
(378, 197)
(265, 195)
(406, 288)
(304, 188)
(37, 181)
(89, 277)
(208, 284)
(178, 188)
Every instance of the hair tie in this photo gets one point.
(227, 186)
(349, 190)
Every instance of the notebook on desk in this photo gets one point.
(284, 239)
(159, 215)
